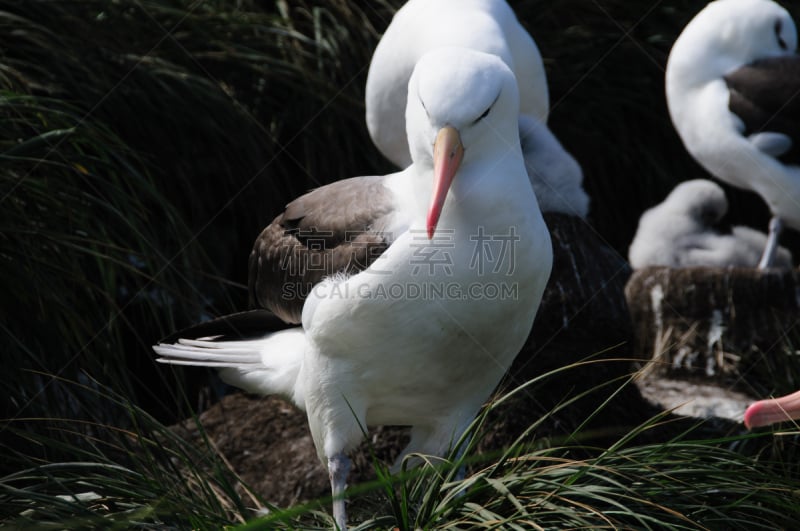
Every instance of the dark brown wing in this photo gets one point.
(337, 228)
(765, 94)
(242, 325)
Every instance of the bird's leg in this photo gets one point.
(338, 469)
(771, 249)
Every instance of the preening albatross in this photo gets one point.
(418, 329)
(488, 26)
(684, 231)
(733, 89)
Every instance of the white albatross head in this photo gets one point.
(699, 200)
(422, 26)
(728, 34)
(462, 106)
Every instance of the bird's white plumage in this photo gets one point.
(723, 37)
(446, 337)
(369, 351)
(556, 176)
(681, 232)
(489, 26)
(423, 25)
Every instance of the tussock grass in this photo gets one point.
(680, 483)
(140, 477)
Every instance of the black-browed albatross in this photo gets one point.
(368, 351)
(488, 26)
(733, 90)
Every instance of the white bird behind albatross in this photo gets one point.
(683, 231)
(364, 354)
(490, 26)
(732, 85)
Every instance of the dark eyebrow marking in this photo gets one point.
(778, 28)
(423, 106)
(486, 112)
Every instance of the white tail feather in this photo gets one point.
(211, 344)
(186, 355)
(269, 365)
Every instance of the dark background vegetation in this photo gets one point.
(144, 145)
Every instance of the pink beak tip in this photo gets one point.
(749, 413)
(431, 225)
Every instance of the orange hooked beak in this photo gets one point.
(447, 154)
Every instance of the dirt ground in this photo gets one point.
(267, 443)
